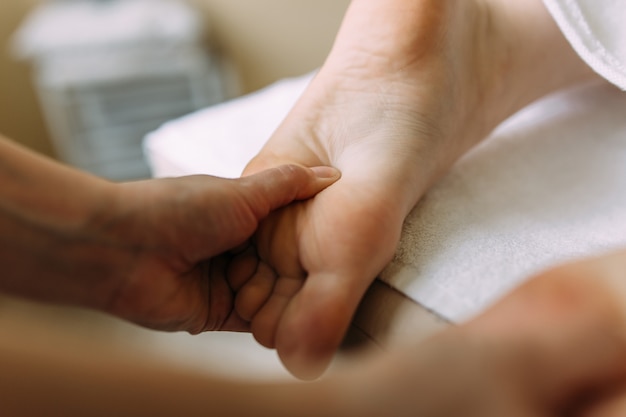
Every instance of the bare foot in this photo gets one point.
(407, 89)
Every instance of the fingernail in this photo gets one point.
(325, 172)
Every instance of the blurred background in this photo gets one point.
(84, 80)
(50, 49)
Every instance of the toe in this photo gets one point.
(266, 321)
(315, 323)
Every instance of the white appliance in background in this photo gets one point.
(108, 72)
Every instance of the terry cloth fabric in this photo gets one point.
(596, 29)
(549, 185)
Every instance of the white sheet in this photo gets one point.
(549, 185)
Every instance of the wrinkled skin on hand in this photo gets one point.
(173, 239)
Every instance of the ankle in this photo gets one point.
(531, 57)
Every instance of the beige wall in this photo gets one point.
(267, 40)
(271, 39)
(19, 110)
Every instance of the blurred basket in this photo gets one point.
(109, 72)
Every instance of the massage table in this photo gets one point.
(547, 186)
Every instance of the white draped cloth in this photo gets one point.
(597, 31)
(548, 186)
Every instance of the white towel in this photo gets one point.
(548, 186)
(596, 29)
(222, 139)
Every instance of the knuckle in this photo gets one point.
(291, 172)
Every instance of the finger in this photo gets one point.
(220, 295)
(222, 315)
(255, 292)
(241, 268)
(234, 323)
(276, 187)
(240, 249)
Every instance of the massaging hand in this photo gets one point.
(407, 89)
(153, 252)
(178, 234)
(554, 347)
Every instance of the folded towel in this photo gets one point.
(549, 185)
